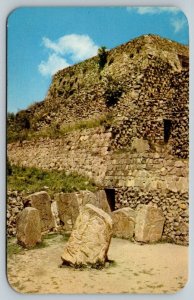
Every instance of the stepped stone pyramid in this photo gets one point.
(124, 125)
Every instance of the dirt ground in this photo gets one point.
(158, 268)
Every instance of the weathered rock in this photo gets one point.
(124, 222)
(55, 213)
(149, 224)
(102, 201)
(28, 230)
(68, 209)
(90, 238)
(42, 202)
(86, 197)
(69, 205)
(140, 145)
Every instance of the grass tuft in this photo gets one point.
(13, 248)
(31, 180)
(56, 130)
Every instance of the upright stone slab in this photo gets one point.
(124, 222)
(55, 214)
(86, 197)
(68, 209)
(70, 204)
(28, 227)
(149, 224)
(102, 201)
(90, 238)
(42, 202)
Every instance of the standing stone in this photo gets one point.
(124, 222)
(86, 197)
(55, 214)
(90, 239)
(70, 204)
(149, 224)
(28, 227)
(102, 201)
(42, 202)
(68, 209)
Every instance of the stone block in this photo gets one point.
(86, 197)
(149, 223)
(140, 145)
(42, 202)
(55, 213)
(68, 209)
(102, 201)
(90, 239)
(124, 222)
(69, 205)
(28, 227)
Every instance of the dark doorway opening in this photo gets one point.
(167, 129)
(110, 194)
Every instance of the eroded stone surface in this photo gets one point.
(55, 213)
(68, 209)
(90, 238)
(124, 222)
(28, 229)
(86, 197)
(42, 202)
(149, 223)
(102, 201)
(70, 204)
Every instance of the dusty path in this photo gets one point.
(159, 268)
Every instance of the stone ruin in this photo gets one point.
(149, 224)
(42, 202)
(124, 222)
(70, 204)
(139, 151)
(28, 227)
(90, 222)
(90, 239)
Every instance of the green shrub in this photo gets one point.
(13, 247)
(31, 180)
(102, 57)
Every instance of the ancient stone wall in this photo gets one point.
(140, 176)
(83, 151)
(148, 171)
(175, 206)
(155, 109)
(143, 152)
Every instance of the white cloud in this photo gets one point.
(78, 47)
(52, 65)
(178, 24)
(67, 50)
(153, 10)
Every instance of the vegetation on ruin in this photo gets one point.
(31, 180)
(13, 247)
(16, 132)
(102, 57)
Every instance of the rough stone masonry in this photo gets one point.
(141, 152)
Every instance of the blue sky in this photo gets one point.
(41, 41)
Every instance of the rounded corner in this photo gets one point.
(12, 12)
(180, 10)
(12, 287)
(182, 286)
